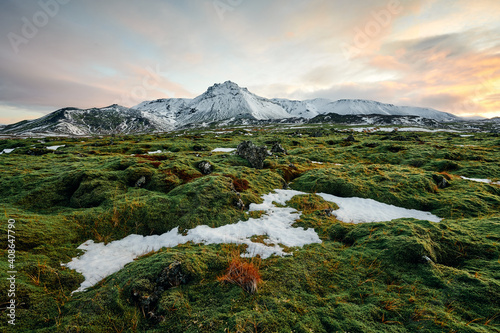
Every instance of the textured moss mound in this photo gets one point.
(405, 187)
(373, 280)
(309, 203)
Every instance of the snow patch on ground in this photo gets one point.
(399, 129)
(55, 147)
(154, 152)
(100, 260)
(7, 151)
(479, 180)
(360, 210)
(223, 150)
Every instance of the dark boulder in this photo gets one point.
(171, 276)
(350, 138)
(147, 293)
(199, 148)
(253, 154)
(327, 212)
(239, 204)
(440, 181)
(278, 149)
(205, 167)
(140, 182)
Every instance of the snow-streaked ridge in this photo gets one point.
(229, 101)
(314, 107)
(221, 102)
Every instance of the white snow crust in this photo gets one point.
(101, 260)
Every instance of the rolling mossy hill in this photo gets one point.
(404, 275)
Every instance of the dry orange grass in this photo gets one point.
(242, 273)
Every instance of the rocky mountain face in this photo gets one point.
(369, 120)
(72, 121)
(225, 103)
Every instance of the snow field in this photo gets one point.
(100, 260)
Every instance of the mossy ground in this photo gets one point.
(361, 278)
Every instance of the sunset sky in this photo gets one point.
(443, 54)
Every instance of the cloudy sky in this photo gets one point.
(443, 54)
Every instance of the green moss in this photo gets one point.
(371, 284)
(361, 278)
(309, 203)
(402, 186)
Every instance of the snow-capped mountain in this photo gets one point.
(221, 102)
(164, 111)
(314, 107)
(306, 109)
(229, 101)
(72, 121)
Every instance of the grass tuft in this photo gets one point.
(243, 274)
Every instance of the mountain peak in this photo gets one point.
(224, 88)
(229, 84)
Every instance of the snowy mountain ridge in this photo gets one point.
(112, 119)
(221, 102)
(227, 100)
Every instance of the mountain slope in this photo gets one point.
(164, 112)
(228, 100)
(219, 102)
(314, 107)
(108, 120)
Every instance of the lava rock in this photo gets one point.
(253, 154)
(171, 276)
(205, 167)
(350, 138)
(147, 294)
(277, 148)
(239, 204)
(141, 182)
(199, 148)
(327, 212)
(371, 144)
(38, 151)
(440, 181)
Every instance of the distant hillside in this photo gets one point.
(72, 121)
